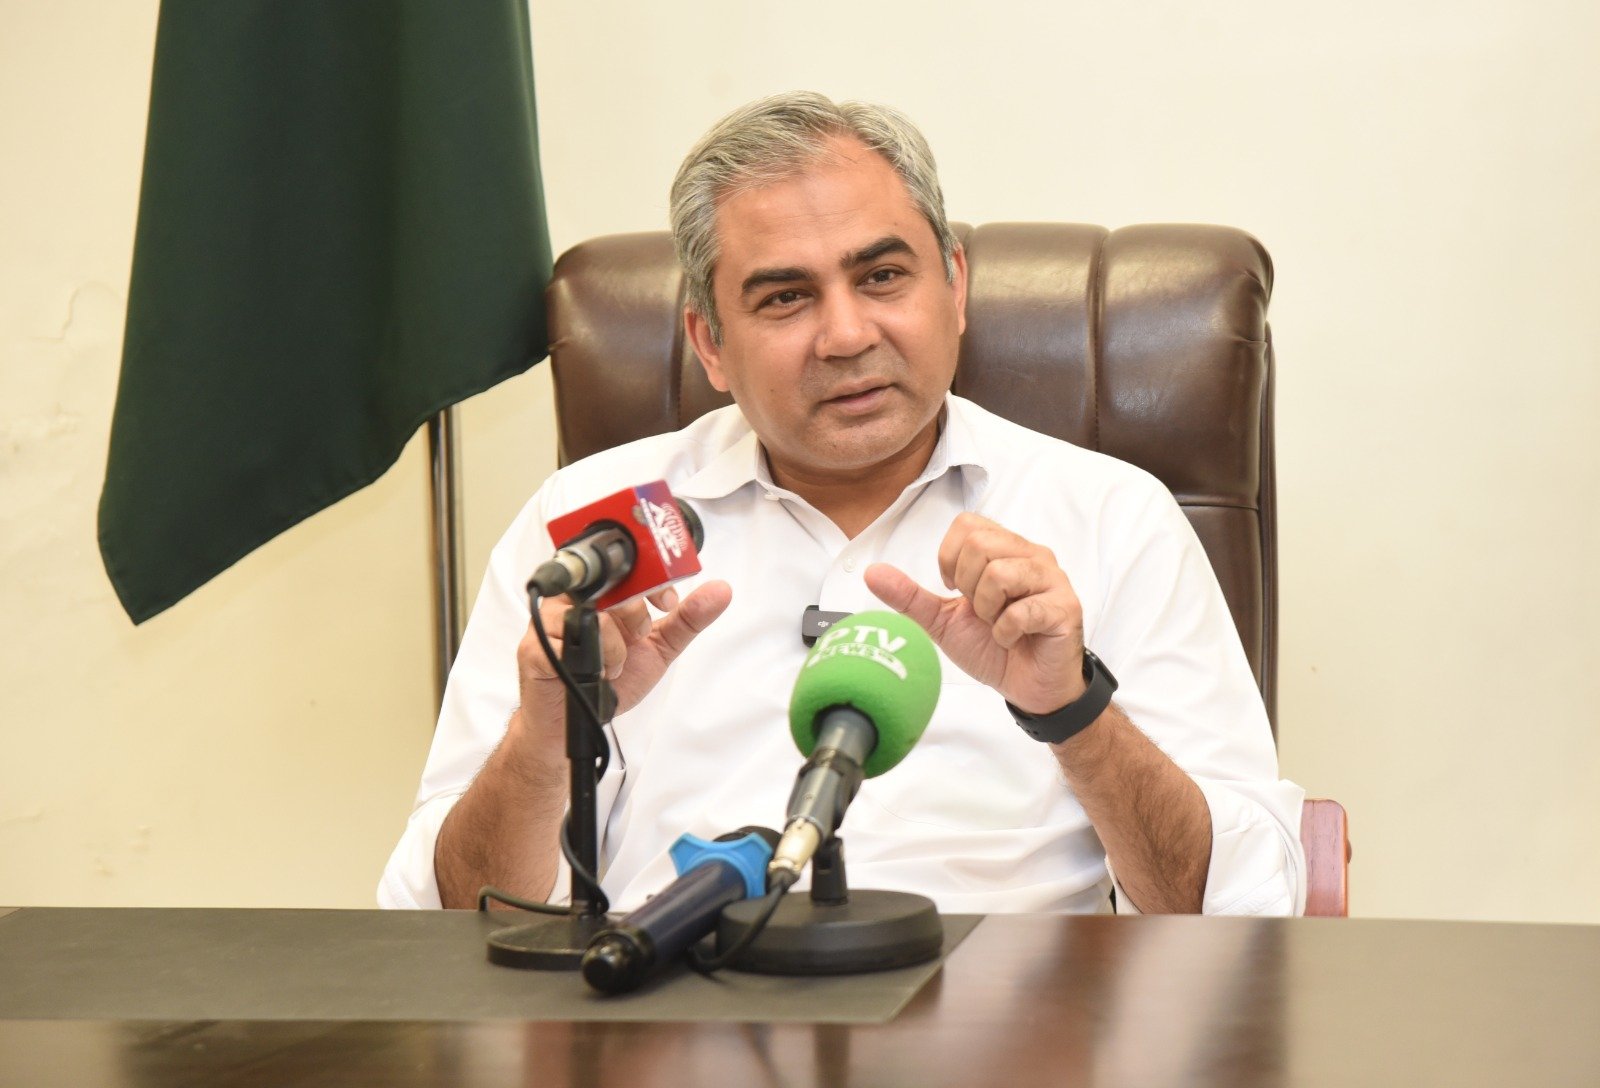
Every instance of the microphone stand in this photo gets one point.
(834, 931)
(557, 943)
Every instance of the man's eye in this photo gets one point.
(783, 298)
(881, 276)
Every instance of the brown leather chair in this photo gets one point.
(1149, 343)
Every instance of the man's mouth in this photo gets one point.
(861, 396)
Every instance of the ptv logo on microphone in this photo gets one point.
(876, 644)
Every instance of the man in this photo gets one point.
(827, 295)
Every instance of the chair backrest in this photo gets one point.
(1149, 343)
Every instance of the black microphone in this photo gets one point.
(710, 876)
(625, 545)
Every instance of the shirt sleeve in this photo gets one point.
(479, 699)
(1164, 630)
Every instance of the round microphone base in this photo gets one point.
(872, 931)
(556, 943)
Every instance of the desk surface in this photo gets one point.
(187, 964)
(1023, 1000)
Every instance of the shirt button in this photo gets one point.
(850, 564)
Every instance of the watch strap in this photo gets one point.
(1076, 716)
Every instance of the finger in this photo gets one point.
(552, 611)
(1051, 614)
(632, 619)
(1005, 580)
(954, 540)
(613, 646)
(984, 546)
(665, 598)
(897, 589)
(530, 654)
(694, 614)
(531, 659)
(613, 642)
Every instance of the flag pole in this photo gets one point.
(444, 477)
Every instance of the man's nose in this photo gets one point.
(847, 327)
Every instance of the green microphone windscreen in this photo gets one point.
(882, 664)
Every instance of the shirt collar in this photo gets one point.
(958, 449)
(742, 463)
(737, 464)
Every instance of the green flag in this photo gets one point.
(341, 232)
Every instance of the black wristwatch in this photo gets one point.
(1077, 715)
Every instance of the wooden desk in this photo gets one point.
(1024, 1000)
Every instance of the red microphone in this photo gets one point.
(621, 547)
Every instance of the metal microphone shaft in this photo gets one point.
(825, 787)
(594, 562)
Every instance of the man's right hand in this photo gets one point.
(636, 651)
(504, 829)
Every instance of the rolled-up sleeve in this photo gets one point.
(1257, 865)
(1165, 630)
(408, 882)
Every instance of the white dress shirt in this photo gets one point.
(978, 816)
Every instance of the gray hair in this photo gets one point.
(772, 140)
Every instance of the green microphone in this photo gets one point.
(863, 698)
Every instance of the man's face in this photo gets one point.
(840, 330)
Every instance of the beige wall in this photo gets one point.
(1424, 175)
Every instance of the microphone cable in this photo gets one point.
(591, 716)
(780, 883)
(707, 965)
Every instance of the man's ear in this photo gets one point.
(958, 261)
(698, 329)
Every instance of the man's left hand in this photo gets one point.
(1017, 625)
